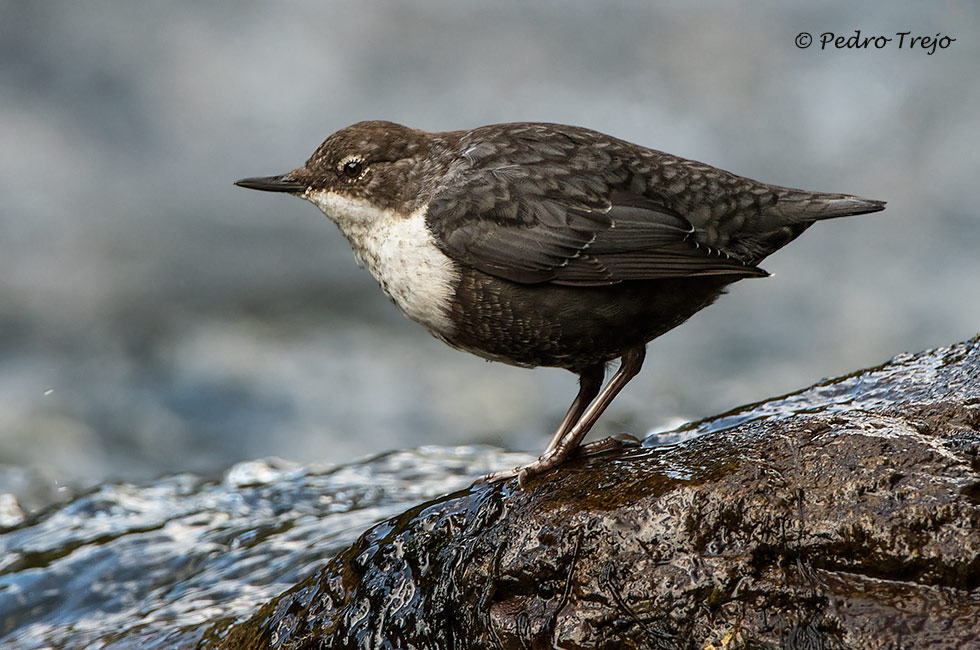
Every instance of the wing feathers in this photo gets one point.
(532, 221)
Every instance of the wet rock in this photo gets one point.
(843, 516)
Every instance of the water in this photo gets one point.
(934, 375)
(127, 567)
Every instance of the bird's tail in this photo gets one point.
(793, 212)
(797, 205)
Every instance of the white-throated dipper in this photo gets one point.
(548, 245)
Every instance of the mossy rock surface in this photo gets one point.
(843, 516)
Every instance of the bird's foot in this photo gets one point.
(547, 461)
(612, 443)
(552, 459)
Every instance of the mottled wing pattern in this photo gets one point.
(541, 203)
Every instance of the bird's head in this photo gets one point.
(359, 173)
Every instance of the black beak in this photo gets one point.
(283, 183)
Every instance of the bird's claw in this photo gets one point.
(612, 443)
(524, 472)
(551, 460)
(522, 477)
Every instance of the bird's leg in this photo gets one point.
(565, 445)
(589, 384)
(629, 367)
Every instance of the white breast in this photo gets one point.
(401, 254)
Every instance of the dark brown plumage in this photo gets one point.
(548, 245)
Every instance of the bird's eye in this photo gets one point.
(352, 168)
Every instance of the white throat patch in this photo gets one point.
(400, 253)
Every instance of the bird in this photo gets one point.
(539, 244)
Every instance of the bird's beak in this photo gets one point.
(283, 183)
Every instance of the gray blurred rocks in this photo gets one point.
(184, 324)
(844, 516)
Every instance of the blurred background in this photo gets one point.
(154, 318)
